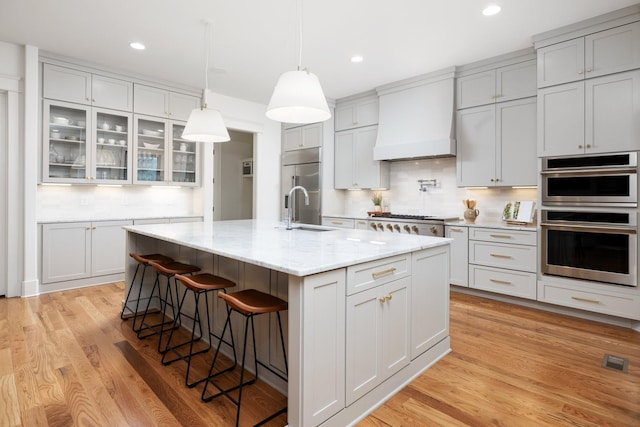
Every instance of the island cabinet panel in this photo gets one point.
(316, 313)
(371, 274)
(429, 299)
(377, 336)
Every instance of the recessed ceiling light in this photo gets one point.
(137, 46)
(357, 58)
(490, 10)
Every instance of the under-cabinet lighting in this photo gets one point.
(166, 186)
(533, 187)
(54, 184)
(375, 242)
(109, 185)
(476, 188)
(356, 59)
(353, 239)
(354, 189)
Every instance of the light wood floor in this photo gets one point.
(67, 359)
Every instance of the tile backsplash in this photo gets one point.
(445, 199)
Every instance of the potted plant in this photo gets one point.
(376, 198)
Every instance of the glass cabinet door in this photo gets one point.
(111, 148)
(150, 150)
(184, 159)
(65, 142)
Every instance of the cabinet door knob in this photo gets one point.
(93, 228)
(580, 146)
(588, 145)
(497, 179)
(382, 299)
(93, 100)
(86, 99)
(87, 228)
(588, 70)
(388, 297)
(580, 71)
(491, 179)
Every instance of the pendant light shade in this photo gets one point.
(298, 98)
(205, 124)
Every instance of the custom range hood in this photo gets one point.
(417, 117)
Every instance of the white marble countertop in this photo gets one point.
(493, 224)
(107, 217)
(296, 252)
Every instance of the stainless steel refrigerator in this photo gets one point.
(302, 167)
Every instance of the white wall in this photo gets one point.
(445, 199)
(233, 192)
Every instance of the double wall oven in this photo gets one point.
(589, 218)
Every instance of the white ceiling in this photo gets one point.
(254, 41)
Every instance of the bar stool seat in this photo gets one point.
(168, 270)
(249, 303)
(143, 260)
(198, 284)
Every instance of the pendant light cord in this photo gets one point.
(299, 13)
(207, 40)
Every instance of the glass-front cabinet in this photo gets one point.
(161, 156)
(85, 145)
(184, 157)
(66, 141)
(112, 146)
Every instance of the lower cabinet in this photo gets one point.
(377, 336)
(503, 261)
(337, 222)
(459, 260)
(79, 250)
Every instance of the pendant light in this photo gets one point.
(298, 96)
(205, 124)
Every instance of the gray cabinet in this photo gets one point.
(71, 85)
(301, 137)
(459, 260)
(159, 102)
(80, 250)
(356, 113)
(497, 144)
(594, 116)
(598, 54)
(497, 85)
(354, 164)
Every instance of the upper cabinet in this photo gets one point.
(497, 85)
(354, 164)
(604, 52)
(594, 116)
(300, 137)
(66, 84)
(164, 103)
(356, 113)
(84, 144)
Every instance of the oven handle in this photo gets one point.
(591, 228)
(609, 171)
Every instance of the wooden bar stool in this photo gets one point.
(143, 260)
(249, 303)
(198, 284)
(168, 270)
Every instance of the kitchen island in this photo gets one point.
(368, 312)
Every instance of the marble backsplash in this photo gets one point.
(445, 199)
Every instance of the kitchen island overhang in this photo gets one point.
(368, 312)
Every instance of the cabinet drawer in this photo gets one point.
(503, 236)
(627, 306)
(514, 257)
(371, 274)
(516, 283)
(338, 222)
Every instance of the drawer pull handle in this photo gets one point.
(501, 256)
(455, 229)
(502, 282)
(500, 236)
(336, 222)
(592, 301)
(377, 274)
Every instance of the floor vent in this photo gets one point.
(614, 362)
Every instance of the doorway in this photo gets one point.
(3, 190)
(233, 177)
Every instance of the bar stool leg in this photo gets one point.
(126, 300)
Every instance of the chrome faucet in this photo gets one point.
(289, 203)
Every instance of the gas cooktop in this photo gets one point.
(414, 217)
